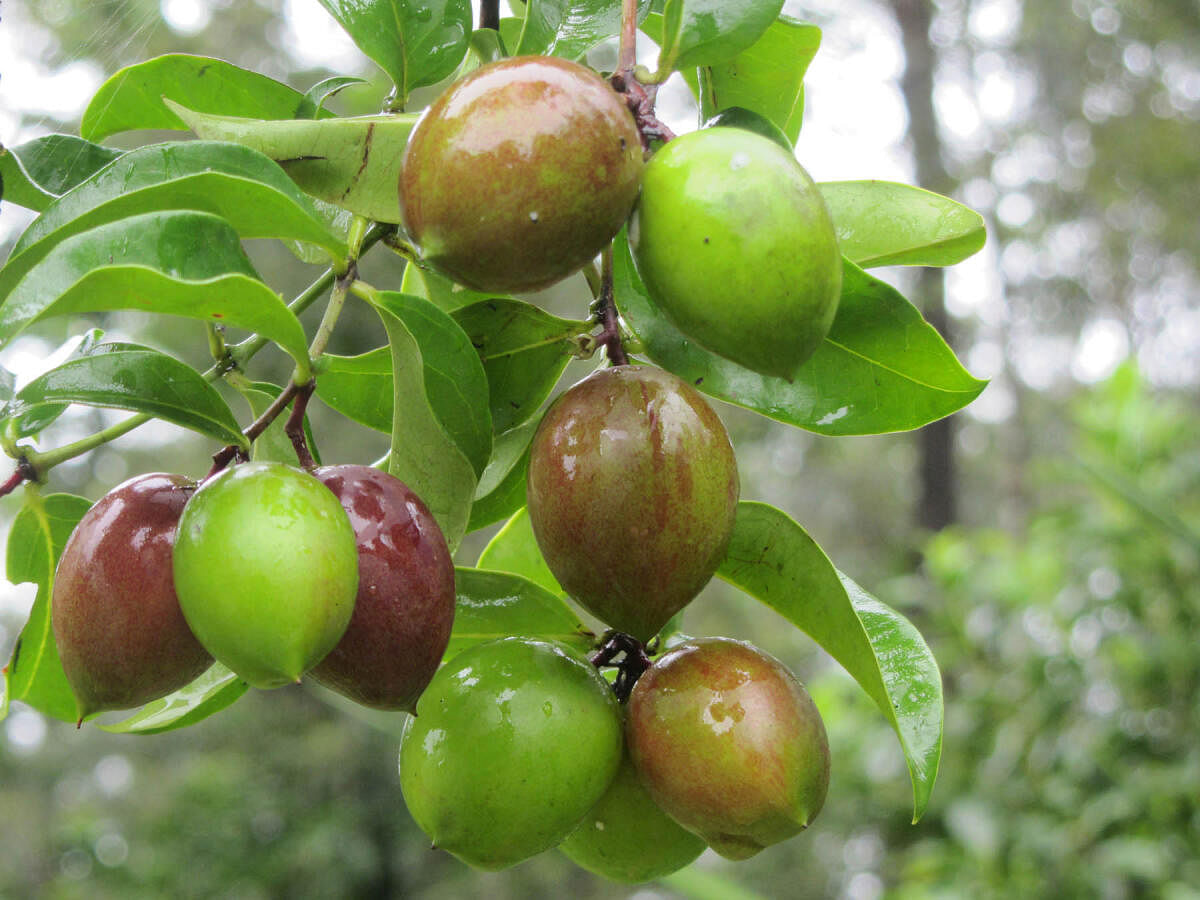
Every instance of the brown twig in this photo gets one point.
(253, 431)
(632, 663)
(23, 472)
(604, 311)
(294, 427)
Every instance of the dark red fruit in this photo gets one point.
(405, 604)
(120, 634)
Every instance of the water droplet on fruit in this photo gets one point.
(739, 161)
(533, 216)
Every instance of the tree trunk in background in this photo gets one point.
(938, 503)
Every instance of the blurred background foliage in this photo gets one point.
(1061, 594)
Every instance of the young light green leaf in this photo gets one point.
(212, 692)
(237, 183)
(180, 263)
(455, 382)
(439, 290)
(144, 381)
(882, 368)
(773, 559)
(569, 28)
(34, 673)
(881, 223)
(316, 95)
(273, 445)
(36, 172)
(524, 351)
(515, 549)
(132, 98)
(709, 32)
(493, 605)
(414, 43)
(501, 488)
(353, 163)
(767, 77)
(359, 387)
(422, 454)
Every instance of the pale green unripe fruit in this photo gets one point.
(513, 742)
(737, 248)
(266, 570)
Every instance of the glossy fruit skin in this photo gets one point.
(404, 609)
(730, 744)
(632, 493)
(121, 636)
(266, 570)
(520, 173)
(738, 249)
(627, 838)
(513, 742)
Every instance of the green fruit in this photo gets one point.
(729, 744)
(513, 742)
(121, 636)
(632, 494)
(626, 837)
(737, 248)
(520, 173)
(405, 604)
(266, 570)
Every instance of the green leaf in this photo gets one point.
(881, 369)
(501, 488)
(455, 383)
(515, 549)
(353, 162)
(773, 559)
(569, 28)
(32, 423)
(210, 693)
(36, 172)
(415, 43)
(273, 445)
(524, 351)
(144, 381)
(493, 605)
(881, 223)
(438, 289)
(34, 674)
(132, 98)
(748, 120)
(187, 264)
(359, 387)
(240, 185)
(422, 454)
(767, 77)
(708, 32)
(316, 95)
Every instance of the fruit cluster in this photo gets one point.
(515, 178)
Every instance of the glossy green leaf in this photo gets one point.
(36, 172)
(767, 77)
(709, 32)
(501, 489)
(524, 351)
(748, 120)
(144, 381)
(415, 43)
(881, 223)
(133, 97)
(882, 368)
(439, 290)
(187, 264)
(40, 418)
(273, 445)
(773, 559)
(353, 163)
(212, 692)
(237, 183)
(455, 383)
(422, 454)
(493, 605)
(359, 387)
(316, 95)
(34, 673)
(569, 28)
(515, 549)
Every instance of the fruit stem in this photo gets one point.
(294, 427)
(489, 14)
(604, 312)
(634, 660)
(227, 454)
(627, 57)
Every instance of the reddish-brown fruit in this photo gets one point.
(121, 636)
(520, 173)
(632, 492)
(405, 605)
(729, 744)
